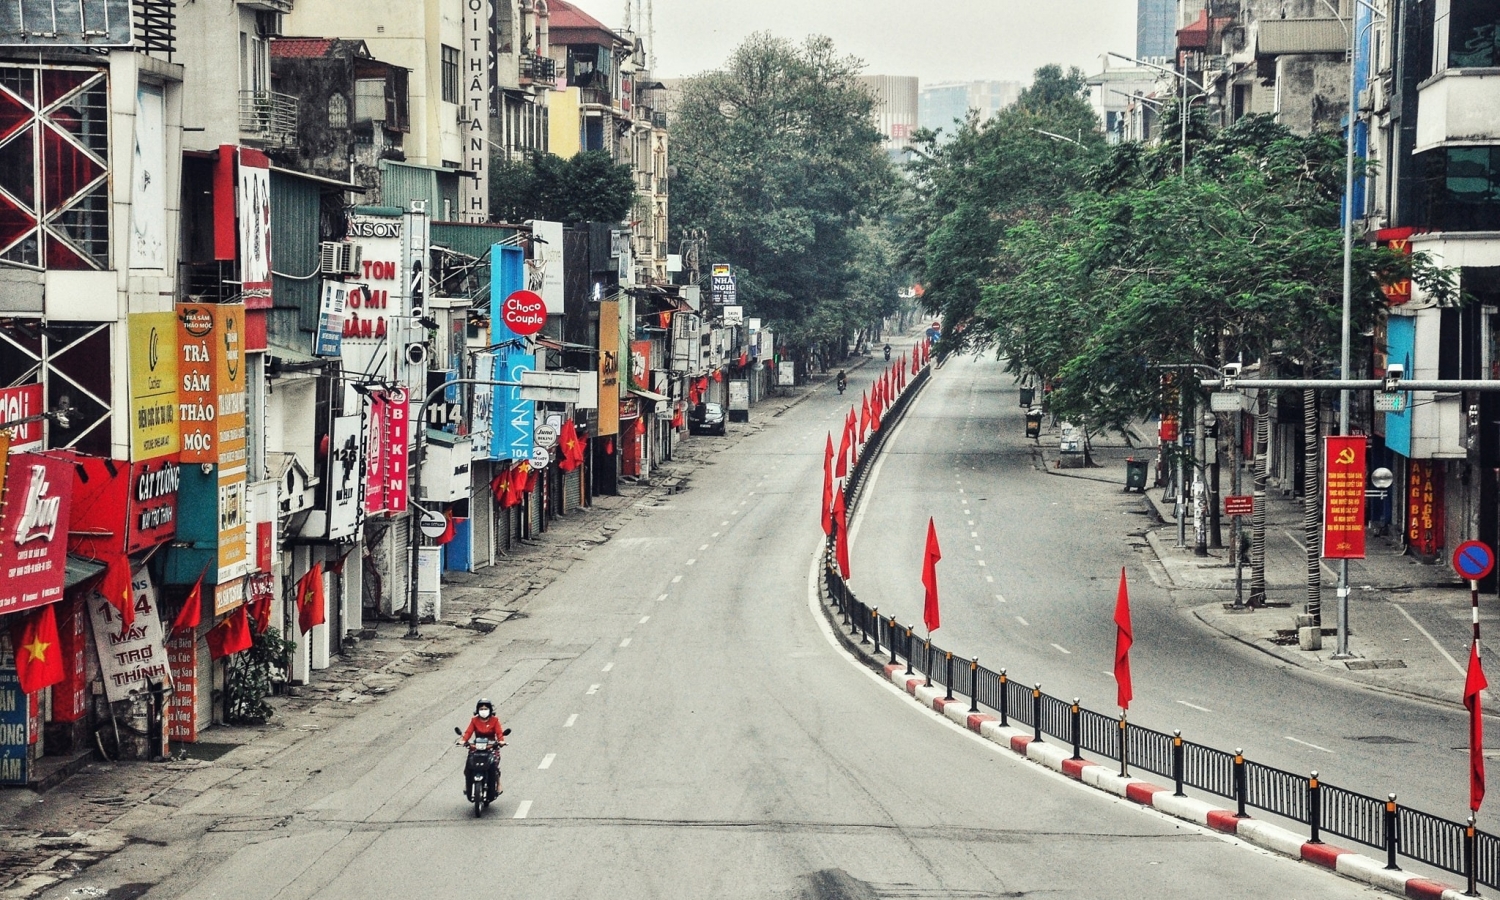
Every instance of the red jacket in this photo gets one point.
(489, 728)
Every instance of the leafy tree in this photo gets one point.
(586, 187)
(780, 164)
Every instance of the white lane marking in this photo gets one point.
(973, 533)
(547, 761)
(715, 534)
(1061, 649)
(702, 547)
(971, 522)
(593, 689)
(625, 643)
(1306, 744)
(960, 490)
(677, 579)
(1426, 634)
(990, 579)
(978, 549)
(661, 598)
(1000, 598)
(723, 523)
(981, 562)
(607, 667)
(692, 561)
(522, 809)
(734, 512)
(1195, 706)
(645, 619)
(1022, 621)
(571, 719)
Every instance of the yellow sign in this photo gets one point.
(228, 596)
(609, 367)
(229, 382)
(153, 385)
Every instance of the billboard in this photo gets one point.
(253, 190)
(609, 367)
(153, 385)
(515, 418)
(33, 530)
(211, 392)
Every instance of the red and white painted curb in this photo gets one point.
(1253, 831)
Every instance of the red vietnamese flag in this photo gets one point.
(877, 409)
(827, 509)
(841, 532)
(914, 367)
(1474, 683)
(930, 557)
(39, 654)
(310, 611)
(115, 588)
(864, 416)
(572, 447)
(841, 469)
(192, 609)
(1124, 637)
(260, 613)
(231, 635)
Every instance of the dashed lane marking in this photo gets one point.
(1061, 649)
(1306, 744)
(522, 809)
(978, 549)
(677, 579)
(625, 643)
(1195, 706)
(990, 579)
(547, 761)
(1000, 598)
(571, 719)
(702, 547)
(593, 689)
(692, 561)
(607, 667)
(1022, 621)
(661, 598)
(645, 619)
(981, 562)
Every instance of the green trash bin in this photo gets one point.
(1135, 474)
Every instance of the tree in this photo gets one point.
(779, 162)
(586, 187)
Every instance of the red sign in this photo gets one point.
(1473, 560)
(70, 696)
(182, 659)
(152, 503)
(1424, 508)
(1399, 240)
(524, 313)
(21, 403)
(34, 531)
(1344, 497)
(388, 431)
(1239, 505)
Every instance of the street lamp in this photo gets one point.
(1203, 92)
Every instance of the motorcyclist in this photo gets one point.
(486, 724)
(887, 351)
(843, 381)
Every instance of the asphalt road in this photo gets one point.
(1031, 564)
(684, 726)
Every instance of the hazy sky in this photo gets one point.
(958, 40)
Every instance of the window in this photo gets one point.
(54, 192)
(369, 100)
(1466, 34)
(450, 74)
(338, 111)
(1459, 189)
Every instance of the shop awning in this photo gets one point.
(78, 570)
(650, 395)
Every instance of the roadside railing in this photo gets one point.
(1382, 824)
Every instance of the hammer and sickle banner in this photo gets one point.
(1344, 497)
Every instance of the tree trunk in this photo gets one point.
(1312, 506)
(1258, 520)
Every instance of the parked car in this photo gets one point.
(708, 418)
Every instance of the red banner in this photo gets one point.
(1344, 497)
(1424, 508)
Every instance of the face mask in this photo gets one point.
(484, 714)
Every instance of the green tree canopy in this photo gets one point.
(587, 187)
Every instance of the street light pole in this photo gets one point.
(1203, 91)
(413, 611)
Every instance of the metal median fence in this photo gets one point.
(1382, 824)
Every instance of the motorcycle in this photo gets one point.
(842, 386)
(887, 352)
(482, 770)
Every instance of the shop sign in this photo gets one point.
(482, 418)
(182, 660)
(387, 432)
(130, 661)
(211, 388)
(15, 725)
(640, 363)
(514, 433)
(33, 531)
(152, 503)
(1344, 497)
(1399, 240)
(234, 554)
(609, 368)
(331, 314)
(1424, 507)
(474, 191)
(344, 475)
(254, 207)
(739, 395)
(153, 385)
(21, 403)
(229, 596)
(365, 327)
(545, 269)
(70, 696)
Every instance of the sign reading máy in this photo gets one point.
(33, 531)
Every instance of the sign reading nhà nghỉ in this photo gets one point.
(1344, 497)
(153, 385)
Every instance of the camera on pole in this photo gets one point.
(1393, 375)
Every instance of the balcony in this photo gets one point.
(538, 69)
(268, 116)
(591, 96)
(1458, 107)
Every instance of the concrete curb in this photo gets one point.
(1059, 758)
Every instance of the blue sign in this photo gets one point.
(14, 739)
(1473, 560)
(515, 419)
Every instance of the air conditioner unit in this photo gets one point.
(339, 258)
(267, 23)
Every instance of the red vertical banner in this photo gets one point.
(398, 412)
(1344, 497)
(182, 658)
(70, 696)
(1424, 508)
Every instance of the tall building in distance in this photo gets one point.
(1155, 28)
(895, 110)
(940, 104)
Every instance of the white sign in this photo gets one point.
(365, 349)
(786, 374)
(345, 475)
(734, 315)
(739, 395)
(148, 182)
(544, 271)
(128, 661)
(540, 457)
(433, 524)
(474, 130)
(545, 436)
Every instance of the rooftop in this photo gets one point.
(567, 24)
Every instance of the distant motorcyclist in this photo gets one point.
(843, 381)
(486, 724)
(887, 351)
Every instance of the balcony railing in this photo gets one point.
(595, 97)
(268, 115)
(539, 69)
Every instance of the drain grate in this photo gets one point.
(1360, 665)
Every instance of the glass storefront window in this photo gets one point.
(1459, 189)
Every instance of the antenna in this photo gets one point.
(629, 18)
(651, 35)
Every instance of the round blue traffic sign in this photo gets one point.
(1473, 560)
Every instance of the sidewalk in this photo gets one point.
(1409, 620)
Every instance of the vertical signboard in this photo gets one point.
(545, 268)
(376, 452)
(345, 471)
(1344, 497)
(153, 385)
(15, 724)
(253, 190)
(33, 530)
(234, 554)
(482, 417)
(229, 383)
(1424, 507)
(211, 388)
(387, 433)
(475, 96)
(609, 367)
(182, 660)
(515, 418)
(640, 364)
(331, 313)
(365, 349)
(148, 181)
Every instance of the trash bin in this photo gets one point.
(1034, 423)
(1135, 474)
(1028, 397)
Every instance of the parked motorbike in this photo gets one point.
(482, 770)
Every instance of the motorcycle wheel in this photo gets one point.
(478, 806)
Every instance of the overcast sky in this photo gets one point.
(957, 40)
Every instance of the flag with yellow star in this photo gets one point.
(39, 658)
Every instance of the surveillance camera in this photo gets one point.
(416, 354)
(1232, 370)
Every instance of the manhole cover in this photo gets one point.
(1381, 739)
(1359, 665)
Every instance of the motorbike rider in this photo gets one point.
(487, 725)
(887, 351)
(843, 381)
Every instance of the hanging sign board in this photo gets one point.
(1344, 497)
(130, 661)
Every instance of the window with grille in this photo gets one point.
(338, 111)
(54, 191)
(450, 74)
